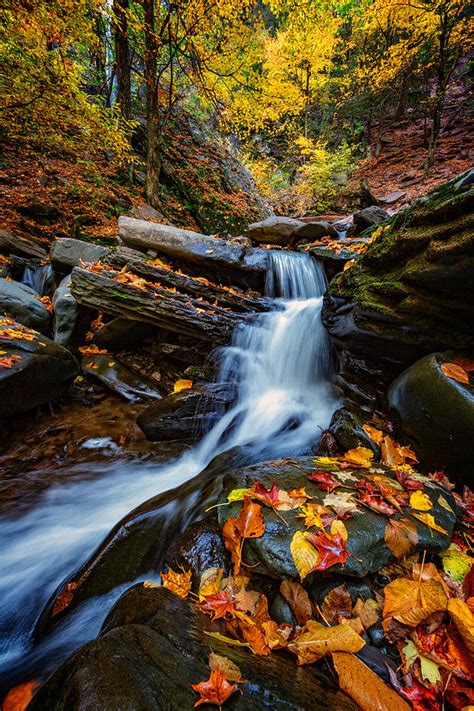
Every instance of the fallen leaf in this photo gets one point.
(64, 599)
(325, 480)
(420, 501)
(218, 605)
(455, 372)
(464, 363)
(331, 548)
(368, 611)
(227, 640)
(429, 521)
(394, 454)
(316, 515)
(404, 476)
(456, 563)
(277, 635)
(238, 494)
(177, 583)
(359, 457)
(401, 536)
(249, 524)
(343, 503)
(336, 604)
(429, 670)
(374, 434)
(364, 686)
(230, 670)
(464, 622)
(298, 600)
(412, 601)
(210, 582)
(181, 385)
(305, 556)
(316, 640)
(20, 696)
(216, 690)
(250, 629)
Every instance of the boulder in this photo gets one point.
(270, 554)
(147, 212)
(21, 245)
(274, 230)
(65, 313)
(67, 253)
(437, 414)
(35, 370)
(23, 304)
(186, 414)
(151, 650)
(410, 294)
(223, 260)
(369, 217)
(118, 378)
(314, 231)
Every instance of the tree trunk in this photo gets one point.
(153, 159)
(122, 57)
(153, 155)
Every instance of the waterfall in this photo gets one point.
(280, 364)
(38, 278)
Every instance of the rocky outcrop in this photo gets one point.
(67, 253)
(369, 217)
(22, 303)
(65, 313)
(285, 231)
(225, 261)
(410, 294)
(118, 378)
(153, 647)
(34, 370)
(11, 243)
(186, 414)
(437, 413)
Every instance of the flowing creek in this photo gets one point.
(280, 363)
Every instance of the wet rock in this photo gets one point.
(65, 313)
(347, 427)
(122, 333)
(280, 611)
(313, 231)
(409, 295)
(153, 648)
(118, 378)
(270, 554)
(333, 260)
(67, 253)
(437, 414)
(199, 547)
(22, 303)
(40, 372)
(186, 414)
(274, 230)
(369, 217)
(21, 245)
(226, 261)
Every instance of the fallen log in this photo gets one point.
(224, 261)
(225, 296)
(153, 304)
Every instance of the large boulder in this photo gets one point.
(224, 260)
(410, 294)
(437, 413)
(186, 414)
(369, 217)
(274, 230)
(65, 313)
(22, 303)
(122, 381)
(34, 370)
(67, 253)
(151, 650)
(314, 231)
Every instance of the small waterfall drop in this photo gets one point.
(38, 278)
(280, 364)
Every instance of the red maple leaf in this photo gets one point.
(216, 690)
(326, 481)
(217, 605)
(410, 484)
(420, 697)
(266, 496)
(331, 548)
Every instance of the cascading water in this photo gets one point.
(38, 278)
(280, 365)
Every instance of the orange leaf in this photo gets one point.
(218, 605)
(359, 457)
(249, 524)
(364, 686)
(216, 690)
(20, 696)
(455, 372)
(401, 536)
(177, 583)
(412, 601)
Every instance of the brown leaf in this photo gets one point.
(250, 629)
(315, 640)
(364, 686)
(336, 604)
(401, 536)
(230, 670)
(367, 611)
(464, 621)
(455, 372)
(298, 600)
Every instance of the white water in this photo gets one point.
(280, 364)
(37, 278)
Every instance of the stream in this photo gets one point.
(280, 363)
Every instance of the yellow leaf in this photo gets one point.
(420, 501)
(456, 563)
(359, 457)
(182, 385)
(177, 583)
(401, 536)
(374, 434)
(316, 640)
(210, 582)
(412, 601)
(230, 670)
(429, 521)
(305, 555)
(464, 621)
(238, 494)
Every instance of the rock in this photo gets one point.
(151, 650)
(437, 414)
(22, 303)
(409, 295)
(242, 240)
(186, 414)
(41, 212)
(274, 230)
(67, 253)
(118, 378)
(369, 217)
(347, 427)
(147, 212)
(40, 372)
(122, 333)
(65, 313)
(314, 231)
(11, 243)
(270, 554)
(225, 261)
(393, 197)
(199, 547)
(333, 260)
